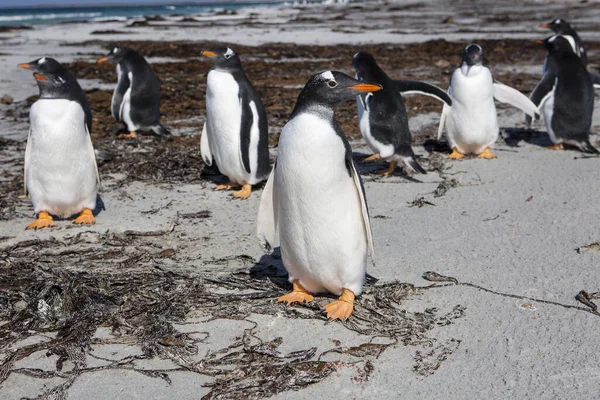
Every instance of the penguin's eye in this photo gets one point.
(332, 84)
(227, 56)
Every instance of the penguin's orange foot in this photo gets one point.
(243, 193)
(130, 135)
(85, 218)
(227, 186)
(298, 295)
(487, 154)
(374, 157)
(389, 170)
(342, 307)
(44, 220)
(557, 146)
(456, 155)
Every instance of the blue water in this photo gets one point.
(52, 15)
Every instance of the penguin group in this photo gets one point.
(313, 206)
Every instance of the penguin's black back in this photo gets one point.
(573, 97)
(145, 90)
(388, 120)
(247, 94)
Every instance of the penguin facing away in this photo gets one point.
(565, 95)
(382, 115)
(136, 99)
(235, 134)
(313, 205)
(61, 175)
(563, 28)
(471, 123)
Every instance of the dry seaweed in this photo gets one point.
(69, 288)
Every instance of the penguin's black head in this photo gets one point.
(559, 25)
(115, 55)
(363, 62)
(473, 54)
(51, 76)
(223, 58)
(556, 44)
(326, 89)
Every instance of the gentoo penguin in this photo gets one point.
(382, 115)
(471, 122)
(61, 175)
(136, 99)
(313, 205)
(566, 96)
(563, 28)
(235, 133)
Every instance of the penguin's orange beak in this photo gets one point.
(101, 60)
(40, 77)
(25, 66)
(366, 87)
(209, 53)
(545, 26)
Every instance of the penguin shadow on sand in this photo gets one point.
(370, 168)
(514, 136)
(442, 147)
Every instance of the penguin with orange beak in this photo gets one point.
(313, 205)
(136, 99)
(61, 175)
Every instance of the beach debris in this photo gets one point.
(529, 199)
(6, 99)
(435, 277)
(589, 247)
(420, 202)
(444, 186)
(427, 363)
(586, 298)
(496, 217)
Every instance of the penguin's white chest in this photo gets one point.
(61, 176)
(224, 118)
(472, 123)
(321, 231)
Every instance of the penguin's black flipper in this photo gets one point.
(117, 100)
(595, 79)
(587, 147)
(160, 130)
(415, 87)
(543, 89)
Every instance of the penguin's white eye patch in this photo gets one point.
(332, 84)
(228, 54)
(557, 21)
(115, 50)
(42, 60)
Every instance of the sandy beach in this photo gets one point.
(168, 295)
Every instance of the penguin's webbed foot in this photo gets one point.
(244, 192)
(342, 307)
(456, 155)
(374, 157)
(486, 154)
(130, 135)
(85, 218)
(297, 295)
(389, 170)
(556, 146)
(227, 186)
(44, 220)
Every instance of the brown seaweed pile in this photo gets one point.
(67, 289)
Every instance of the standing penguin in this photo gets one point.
(382, 115)
(563, 28)
(136, 99)
(566, 96)
(61, 175)
(471, 122)
(235, 133)
(313, 205)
